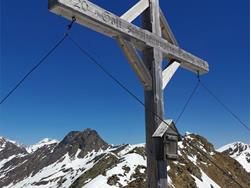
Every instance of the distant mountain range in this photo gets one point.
(84, 159)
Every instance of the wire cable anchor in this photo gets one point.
(73, 19)
(69, 26)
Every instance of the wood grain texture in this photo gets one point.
(103, 21)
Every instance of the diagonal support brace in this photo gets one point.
(168, 73)
(136, 63)
(135, 11)
(166, 30)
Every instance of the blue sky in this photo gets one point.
(68, 93)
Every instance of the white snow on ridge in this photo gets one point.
(243, 161)
(233, 146)
(44, 142)
(131, 160)
(69, 167)
(130, 147)
(240, 156)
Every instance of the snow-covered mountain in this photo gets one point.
(4, 142)
(84, 159)
(9, 148)
(238, 151)
(44, 142)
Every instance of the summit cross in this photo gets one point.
(156, 42)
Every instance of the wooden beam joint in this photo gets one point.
(136, 63)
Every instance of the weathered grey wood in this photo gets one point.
(129, 49)
(168, 73)
(156, 170)
(103, 21)
(135, 11)
(137, 64)
(166, 30)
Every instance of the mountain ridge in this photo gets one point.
(84, 159)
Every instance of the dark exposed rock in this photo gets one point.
(113, 180)
(87, 141)
(126, 169)
(138, 172)
(40, 183)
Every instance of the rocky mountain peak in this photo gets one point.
(87, 141)
(82, 138)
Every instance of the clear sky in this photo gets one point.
(68, 93)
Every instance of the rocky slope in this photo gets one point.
(84, 159)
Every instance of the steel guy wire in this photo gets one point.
(188, 100)
(224, 106)
(42, 60)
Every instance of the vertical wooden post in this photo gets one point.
(156, 170)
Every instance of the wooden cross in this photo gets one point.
(157, 42)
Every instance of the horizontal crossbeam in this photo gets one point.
(103, 21)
